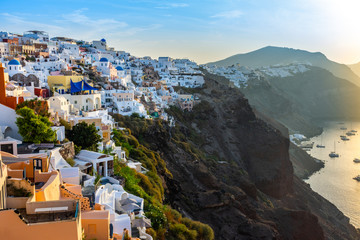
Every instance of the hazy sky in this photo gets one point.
(203, 31)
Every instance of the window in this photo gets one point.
(7, 148)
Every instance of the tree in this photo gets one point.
(64, 123)
(84, 135)
(34, 128)
(40, 107)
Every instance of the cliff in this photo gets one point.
(232, 170)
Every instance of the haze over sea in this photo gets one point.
(335, 181)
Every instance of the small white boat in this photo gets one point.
(356, 160)
(357, 178)
(344, 138)
(307, 145)
(334, 154)
(321, 143)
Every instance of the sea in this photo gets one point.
(335, 181)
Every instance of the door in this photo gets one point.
(37, 164)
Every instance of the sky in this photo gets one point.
(203, 31)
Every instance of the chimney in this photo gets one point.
(2, 85)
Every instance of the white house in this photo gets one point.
(101, 163)
(116, 200)
(60, 132)
(73, 49)
(7, 121)
(60, 105)
(14, 67)
(4, 49)
(84, 102)
(100, 44)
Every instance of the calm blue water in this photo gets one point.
(334, 181)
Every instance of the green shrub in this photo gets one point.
(167, 223)
(77, 149)
(180, 231)
(70, 161)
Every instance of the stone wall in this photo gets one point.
(67, 150)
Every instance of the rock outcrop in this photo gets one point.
(232, 171)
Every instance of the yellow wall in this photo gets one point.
(96, 224)
(13, 228)
(106, 136)
(89, 121)
(62, 80)
(51, 190)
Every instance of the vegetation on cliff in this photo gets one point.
(167, 223)
(232, 170)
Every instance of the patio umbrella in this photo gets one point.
(141, 222)
(129, 207)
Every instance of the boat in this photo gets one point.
(344, 138)
(320, 145)
(307, 145)
(350, 133)
(357, 178)
(356, 160)
(343, 128)
(352, 130)
(334, 154)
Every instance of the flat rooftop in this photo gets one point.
(48, 217)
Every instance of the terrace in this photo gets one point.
(50, 214)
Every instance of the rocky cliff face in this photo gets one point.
(233, 171)
(302, 102)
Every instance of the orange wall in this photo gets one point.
(29, 168)
(10, 102)
(16, 202)
(14, 229)
(31, 206)
(96, 228)
(51, 190)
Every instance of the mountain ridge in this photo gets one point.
(271, 55)
(355, 68)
